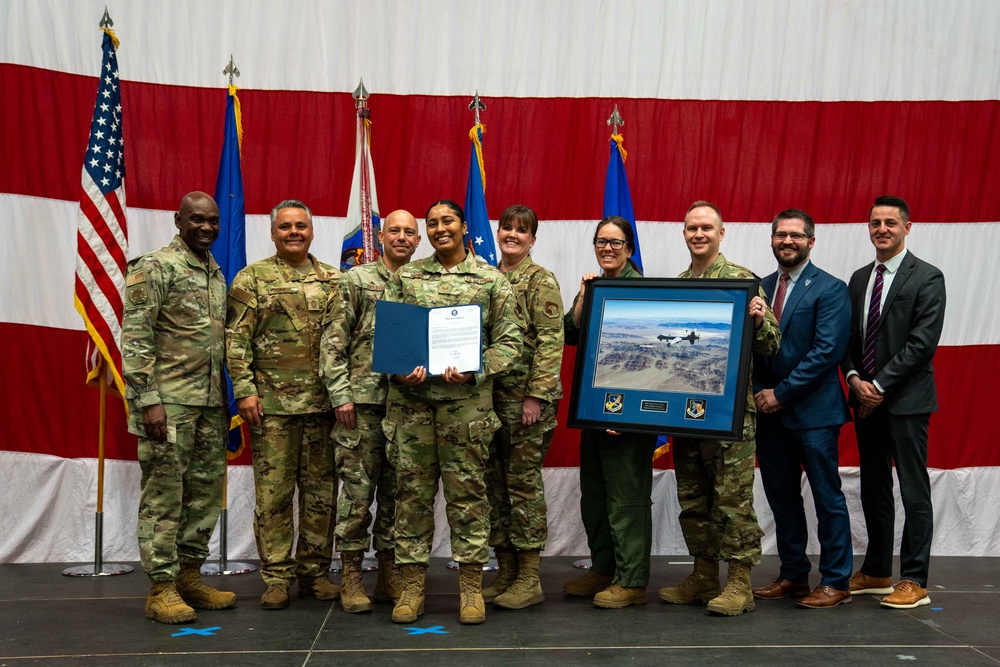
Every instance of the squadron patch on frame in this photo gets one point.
(695, 409)
(613, 403)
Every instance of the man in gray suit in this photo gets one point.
(897, 305)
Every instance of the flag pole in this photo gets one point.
(224, 566)
(100, 568)
(614, 120)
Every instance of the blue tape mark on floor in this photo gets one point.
(433, 630)
(937, 608)
(204, 632)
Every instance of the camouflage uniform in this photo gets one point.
(273, 334)
(365, 474)
(715, 478)
(172, 354)
(436, 429)
(514, 474)
(616, 484)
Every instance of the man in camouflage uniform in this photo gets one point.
(525, 400)
(358, 396)
(273, 333)
(715, 478)
(442, 426)
(172, 358)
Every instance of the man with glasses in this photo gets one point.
(801, 408)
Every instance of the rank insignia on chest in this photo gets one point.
(137, 295)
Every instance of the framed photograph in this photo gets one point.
(664, 355)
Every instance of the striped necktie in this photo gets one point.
(779, 298)
(871, 327)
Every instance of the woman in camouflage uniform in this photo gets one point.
(525, 400)
(616, 474)
(441, 427)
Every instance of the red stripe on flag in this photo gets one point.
(958, 430)
(101, 277)
(751, 158)
(100, 325)
(100, 225)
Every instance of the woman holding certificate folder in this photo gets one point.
(616, 474)
(441, 426)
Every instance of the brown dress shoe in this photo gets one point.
(908, 595)
(825, 597)
(781, 588)
(862, 584)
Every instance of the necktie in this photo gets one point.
(779, 298)
(871, 328)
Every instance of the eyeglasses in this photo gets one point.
(795, 236)
(617, 244)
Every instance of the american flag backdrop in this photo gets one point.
(102, 239)
(755, 105)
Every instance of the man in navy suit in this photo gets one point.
(897, 315)
(801, 407)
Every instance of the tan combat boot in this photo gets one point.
(472, 609)
(352, 595)
(506, 573)
(617, 596)
(527, 589)
(410, 605)
(275, 597)
(389, 581)
(700, 586)
(198, 594)
(737, 596)
(164, 605)
(588, 585)
(320, 588)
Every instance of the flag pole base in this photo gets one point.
(218, 569)
(224, 566)
(99, 568)
(106, 570)
(583, 564)
(488, 566)
(367, 565)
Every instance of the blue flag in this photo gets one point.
(480, 235)
(617, 198)
(230, 249)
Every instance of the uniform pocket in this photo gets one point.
(391, 450)
(345, 437)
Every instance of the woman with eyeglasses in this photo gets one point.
(616, 474)
(525, 400)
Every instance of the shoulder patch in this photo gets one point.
(134, 278)
(137, 295)
(551, 309)
(240, 294)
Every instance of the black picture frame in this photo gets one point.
(690, 380)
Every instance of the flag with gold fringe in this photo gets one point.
(361, 244)
(479, 239)
(230, 249)
(102, 233)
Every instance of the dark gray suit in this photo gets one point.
(896, 431)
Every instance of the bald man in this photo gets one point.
(172, 352)
(358, 397)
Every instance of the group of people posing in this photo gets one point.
(296, 336)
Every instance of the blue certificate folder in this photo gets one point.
(402, 338)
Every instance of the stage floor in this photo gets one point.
(47, 618)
